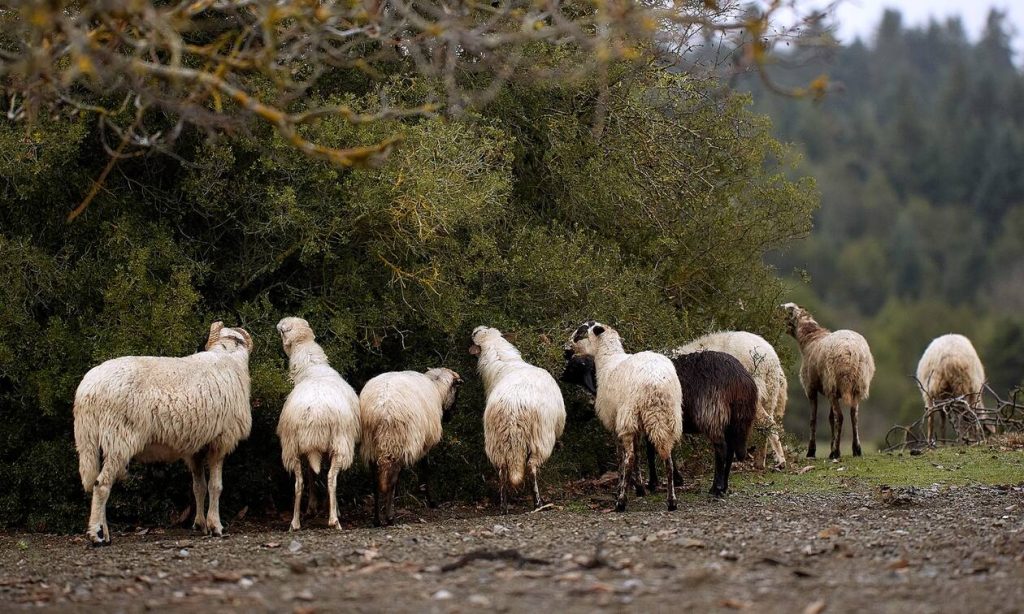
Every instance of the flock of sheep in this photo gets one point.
(722, 386)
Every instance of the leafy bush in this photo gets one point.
(522, 216)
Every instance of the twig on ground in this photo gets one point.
(493, 555)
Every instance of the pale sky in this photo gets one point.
(861, 17)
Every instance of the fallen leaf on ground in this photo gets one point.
(830, 532)
(734, 604)
(815, 607)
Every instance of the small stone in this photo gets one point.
(480, 600)
(182, 554)
(295, 546)
(442, 595)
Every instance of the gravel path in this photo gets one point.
(957, 549)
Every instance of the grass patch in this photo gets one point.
(952, 466)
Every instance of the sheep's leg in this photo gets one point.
(503, 490)
(812, 445)
(98, 531)
(383, 501)
(638, 479)
(377, 493)
(931, 425)
(722, 456)
(427, 472)
(297, 507)
(942, 426)
(396, 471)
(730, 454)
(652, 467)
(537, 501)
(670, 476)
(625, 468)
(312, 497)
(196, 466)
(780, 453)
(216, 486)
(854, 414)
(332, 491)
(835, 420)
(761, 455)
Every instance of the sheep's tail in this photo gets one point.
(315, 457)
(516, 472)
(660, 421)
(742, 413)
(87, 441)
(736, 435)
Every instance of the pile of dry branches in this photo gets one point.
(969, 424)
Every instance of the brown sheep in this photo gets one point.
(836, 364)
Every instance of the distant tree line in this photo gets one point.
(919, 155)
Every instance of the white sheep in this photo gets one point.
(949, 368)
(836, 364)
(156, 409)
(320, 416)
(759, 358)
(524, 413)
(639, 395)
(400, 414)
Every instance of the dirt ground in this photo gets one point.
(941, 549)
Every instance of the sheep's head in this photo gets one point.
(293, 331)
(586, 337)
(449, 383)
(793, 314)
(580, 370)
(480, 334)
(228, 338)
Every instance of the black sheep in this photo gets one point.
(719, 401)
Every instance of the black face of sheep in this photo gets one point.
(580, 370)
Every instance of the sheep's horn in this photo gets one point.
(215, 329)
(247, 336)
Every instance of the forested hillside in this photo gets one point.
(919, 155)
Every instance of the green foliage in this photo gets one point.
(521, 216)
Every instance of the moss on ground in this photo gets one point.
(954, 466)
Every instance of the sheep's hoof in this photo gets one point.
(652, 486)
(810, 453)
(780, 466)
(620, 505)
(99, 537)
(834, 455)
(857, 452)
(217, 532)
(717, 493)
(672, 506)
(334, 524)
(295, 526)
(199, 527)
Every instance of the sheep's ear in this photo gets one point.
(214, 335)
(474, 350)
(588, 382)
(598, 330)
(246, 336)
